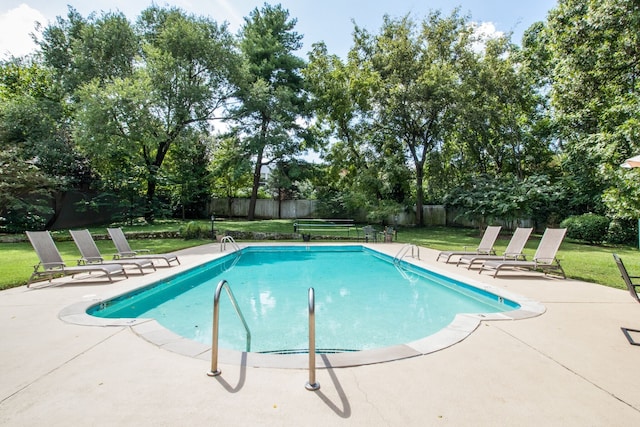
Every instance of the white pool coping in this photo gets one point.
(149, 329)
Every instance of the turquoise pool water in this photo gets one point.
(363, 300)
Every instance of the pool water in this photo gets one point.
(363, 300)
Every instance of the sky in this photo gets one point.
(331, 21)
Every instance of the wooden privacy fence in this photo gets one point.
(296, 209)
(70, 215)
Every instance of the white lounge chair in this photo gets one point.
(513, 251)
(485, 247)
(125, 251)
(51, 263)
(544, 258)
(91, 254)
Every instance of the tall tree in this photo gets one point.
(181, 81)
(271, 92)
(418, 71)
(34, 127)
(79, 50)
(363, 167)
(595, 63)
(495, 133)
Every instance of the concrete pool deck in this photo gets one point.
(571, 366)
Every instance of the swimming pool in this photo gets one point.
(364, 300)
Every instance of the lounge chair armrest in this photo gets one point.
(124, 254)
(50, 265)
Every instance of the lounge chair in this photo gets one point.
(51, 263)
(633, 290)
(485, 247)
(544, 258)
(91, 254)
(513, 251)
(125, 251)
(632, 287)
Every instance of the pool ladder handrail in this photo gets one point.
(404, 250)
(312, 384)
(216, 315)
(231, 241)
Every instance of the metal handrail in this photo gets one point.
(216, 314)
(312, 384)
(404, 274)
(404, 250)
(228, 239)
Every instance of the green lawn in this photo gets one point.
(580, 261)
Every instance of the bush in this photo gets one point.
(623, 232)
(588, 227)
(193, 230)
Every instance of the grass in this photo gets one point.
(580, 261)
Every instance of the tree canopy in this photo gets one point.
(166, 111)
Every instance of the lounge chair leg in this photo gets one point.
(626, 333)
(30, 279)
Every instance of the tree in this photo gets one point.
(366, 174)
(483, 198)
(34, 125)
(290, 180)
(189, 177)
(595, 61)
(180, 83)
(418, 71)
(79, 50)
(230, 168)
(271, 92)
(24, 193)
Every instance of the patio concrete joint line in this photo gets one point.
(568, 369)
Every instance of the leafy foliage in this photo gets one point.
(268, 119)
(484, 199)
(421, 111)
(130, 118)
(193, 230)
(588, 227)
(24, 193)
(594, 51)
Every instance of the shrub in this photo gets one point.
(588, 227)
(623, 231)
(192, 230)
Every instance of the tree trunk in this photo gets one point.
(151, 192)
(256, 184)
(419, 196)
(58, 202)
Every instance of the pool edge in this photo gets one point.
(458, 330)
